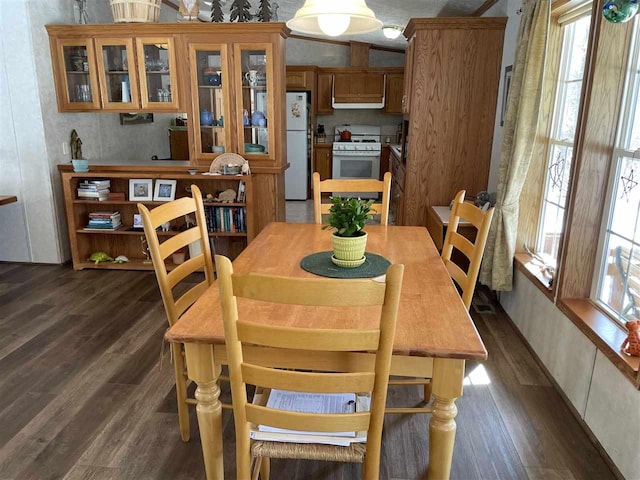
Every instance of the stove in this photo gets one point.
(359, 157)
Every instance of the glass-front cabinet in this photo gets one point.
(255, 87)
(210, 94)
(76, 75)
(158, 73)
(118, 76)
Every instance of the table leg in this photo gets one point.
(202, 369)
(448, 375)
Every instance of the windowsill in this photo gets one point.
(605, 333)
(534, 271)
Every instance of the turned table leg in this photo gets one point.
(448, 375)
(204, 372)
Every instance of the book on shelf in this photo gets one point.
(94, 190)
(225, 219)
(241, 192)
(104, 221)
(105, 182)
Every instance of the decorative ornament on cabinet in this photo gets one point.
(240, 11)
(264, 11)
(631, 345)
(619, 11)
(216, 11)
(188, 9)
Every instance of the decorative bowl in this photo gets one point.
(192, 171)
(253, 148)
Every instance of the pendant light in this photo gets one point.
(334, 18)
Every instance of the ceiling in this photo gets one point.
(390, 12)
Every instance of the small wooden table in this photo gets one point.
(4, 199)
(434, 334)
(437, 222)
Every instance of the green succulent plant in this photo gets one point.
(348, 216)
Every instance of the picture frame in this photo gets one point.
(506, 86)
(140, 189)
(165, 190)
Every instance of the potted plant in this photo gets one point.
(348, 216)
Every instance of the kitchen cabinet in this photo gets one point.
(118, 84)
(158, 73)
(75, 75)
(324, 93)
(394, 91)
(300, 78)
(385, 166)
(113, 69)
(438, 160)
(322, 160)
(358, 87)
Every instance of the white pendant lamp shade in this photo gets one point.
(334, 18)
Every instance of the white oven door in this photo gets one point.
(356, 166)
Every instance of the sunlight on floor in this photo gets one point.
(478, 376)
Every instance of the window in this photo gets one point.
(618, 282)
(563, 129)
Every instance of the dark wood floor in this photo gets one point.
(83, 395)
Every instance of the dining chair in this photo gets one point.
(466, 281)
(370, 377)
(473, 251)
(169, 276)
(351, 186)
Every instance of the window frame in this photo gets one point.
(630, 98)
(553, 140)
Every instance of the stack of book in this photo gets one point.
(225, 219)
(104, 221)
(94, 189)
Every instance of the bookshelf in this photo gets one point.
(230, 229)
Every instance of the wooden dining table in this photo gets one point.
(434, 334)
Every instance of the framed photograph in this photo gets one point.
(135, 118)
(165, 190)
(508, 71)
(140, 189)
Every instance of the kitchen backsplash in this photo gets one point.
(388, 123)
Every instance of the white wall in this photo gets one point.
(501, 9)
(604, 398)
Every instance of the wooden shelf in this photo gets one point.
(255, 87)
(158, 72)
(212, 126)
(211, 87)
(76, 72)
(128, 202)
(117, 72)
(132, 264)
(124, 231)
(255, 127)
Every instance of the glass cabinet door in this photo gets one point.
(158, 73)
(76, 75)
(118, 83)
(254, 73)
(210, 86)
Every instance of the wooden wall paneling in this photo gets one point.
(269, 208)
(407, 88)
(531, 197)
(454, 91)
(359, 54)
(595, 138)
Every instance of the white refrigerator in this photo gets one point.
(296, 177)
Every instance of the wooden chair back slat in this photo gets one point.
(185, 269)
(307, 382)
(172, 210)
(473, 251)
(352, 185)
(241, 335)
(308, 338)
(310, 422)
(463, 244)
(179, 241)
(190, 297)
(308, 291)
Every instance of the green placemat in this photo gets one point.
(321, 264)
